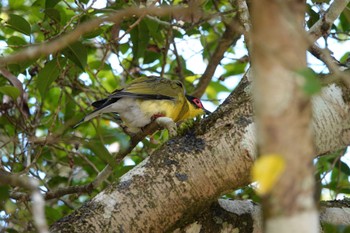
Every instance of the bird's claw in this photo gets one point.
(169, 124)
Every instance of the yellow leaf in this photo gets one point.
(266, 171)
(192, 78)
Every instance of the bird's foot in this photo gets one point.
(167, 123)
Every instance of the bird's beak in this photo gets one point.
(207, 112)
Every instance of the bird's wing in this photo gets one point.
(148, 88)
(151, 88)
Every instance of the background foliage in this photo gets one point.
(36, 135)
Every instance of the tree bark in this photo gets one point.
(244, 216)
(284, 113)
(189, 172)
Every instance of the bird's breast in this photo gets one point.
(137, 113)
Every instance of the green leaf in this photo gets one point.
(345, 57)
(39, 3)
(19, 24)
(53, 14)
(4, 192)
(69, 108)
(124, 48)
(312, 84)
(52, 214)
(345, 20)
(150, 57)
(344, 168)
(77, 53)
(49, 74)
(11, 91)
(140, 39)
(154, 29)
(234, 69)
(101, 151)
(16, 42)
(84, 1)
(56, 181)
(15, 5)
(93, 33)
(51, 3)
(313, 16)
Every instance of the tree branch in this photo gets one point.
(244, 19)
(245, 216)
(63, 41)
(101, 177)
(21, 100)
(324, 24)
(322, 28)
(230, 36)
(187, 173)
(38, 206)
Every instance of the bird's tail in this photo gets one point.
(89, 117)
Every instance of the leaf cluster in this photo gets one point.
(36, 135)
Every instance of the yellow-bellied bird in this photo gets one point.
(147, 99)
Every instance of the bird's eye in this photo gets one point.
(179, 84)
(198, 103)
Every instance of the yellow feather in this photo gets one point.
(145, 99)
(191, 112)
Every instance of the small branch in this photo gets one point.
(179, 70)
(321, 28)
(244, 19)
(324, 24)
(102, 176)
(325, 56)
(21, 100)
(166, 50)
(38, 206)
(136, 23)
(12, 79)
(230, 36)
(63, 41)
(243, 15)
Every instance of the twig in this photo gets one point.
(88, 26)
(38, 206)
(324, 24)
(178, 61)
(166, 50)
(244, 19)
(101, 177)
(325, 56)
(243, 15)
(321, 28)
(230, 36)
(21, 100)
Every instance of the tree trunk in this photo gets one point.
(284, 113)
(188, 173)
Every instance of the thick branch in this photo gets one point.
(245, 216)
(186, 174)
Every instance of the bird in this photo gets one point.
(147, 99)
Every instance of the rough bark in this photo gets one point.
(243, 216)
(174, 181)
(188, 173)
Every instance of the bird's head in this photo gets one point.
(197, 106)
